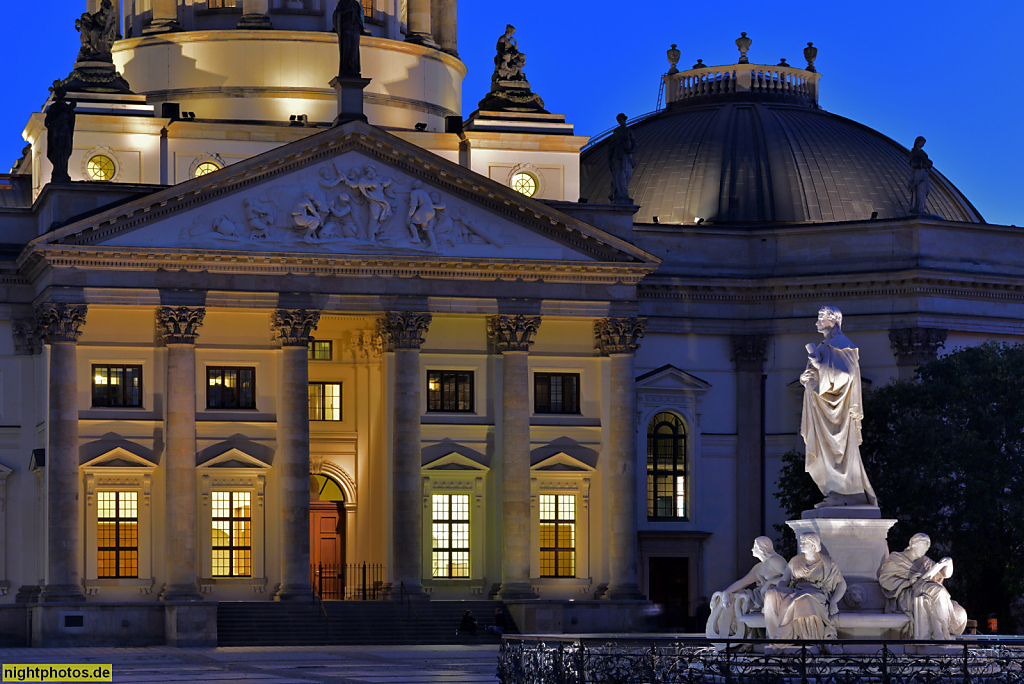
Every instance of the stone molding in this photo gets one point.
(512, 333)
(294, 327)
(402, 330)
(27, 341)
(749, 352)
(618, 335)
(914, 346)
(180, 324)
(61, 322)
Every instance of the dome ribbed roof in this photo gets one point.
(744, 159)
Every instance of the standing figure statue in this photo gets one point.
(919, 183)
(745, 595)
(509, 62)
(348, 24)
(832, 415)
(60, 133)
(912, 583)
(621, 161)
(805, 602)
(97, 31)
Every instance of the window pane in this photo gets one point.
(666, 467)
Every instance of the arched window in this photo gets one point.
(666, 468)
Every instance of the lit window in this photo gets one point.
(368, 9)
(321, 350)
(450, 391)
(556, 392)
(100, 168)
(220, 4)
(117, 534)
(525, 183)
(666, 467)
(205, 168)
(451, 535)
(324, 401)
(228, 387)
(232, 534)
(557, 535)
(117, 386)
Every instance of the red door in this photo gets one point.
(327, 548)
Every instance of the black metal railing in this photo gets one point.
(673, 660)
(349, 582)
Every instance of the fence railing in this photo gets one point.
(348, 582)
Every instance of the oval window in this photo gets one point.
(100, 168)
(205, 168)
(525, 183)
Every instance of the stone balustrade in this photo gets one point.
(784, 82)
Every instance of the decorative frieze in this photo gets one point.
(180, 324)
(294, 327)
(27, 341)
(914, 346)
(512, 333)
(749, 352)
(618, 335)
(60, 322)
(401, 330)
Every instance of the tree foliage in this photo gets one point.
(945, 455)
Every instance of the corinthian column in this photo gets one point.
(179, 327)
(402, 334)
(420, 20)
(512, 337)
(165, 17)
(748, 354)
(618, 339)
(60, 325)
(293, 329)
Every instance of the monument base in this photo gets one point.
(350, 98)
(96, 77)
(512, 96)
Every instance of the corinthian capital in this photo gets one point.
(512, 333)
(60, 322)
(618, 335)
(914, 346)
(180, 324)
(294, 327)
(399, 330)
(748, 352)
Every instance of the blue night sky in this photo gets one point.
(944, 69)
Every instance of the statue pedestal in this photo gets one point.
(350, 98)
(96, 77)
(512, 96)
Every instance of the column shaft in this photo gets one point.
(622, 550)
(255, 15)
(748, 355)
(420, 20)
(407, 489)
(445, 24)
(515, 475)
(165, 17)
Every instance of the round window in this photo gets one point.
(100, 168)
(525, 183)
(205, 168)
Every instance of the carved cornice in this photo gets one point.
(914, 346)
(400, 330)
(618, 335)
(294, 327)
(26, 337)
(180, 324)
(748, 352)
(512, 333)
(60, 322)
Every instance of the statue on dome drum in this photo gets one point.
(60, 133)
(509, 62)
(620, 159)
(912, 583)
(348, 24)
(98, 31)
(919, 183)
(832, 415)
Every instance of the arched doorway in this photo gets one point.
(327, 537)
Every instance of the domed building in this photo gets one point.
(286, 324)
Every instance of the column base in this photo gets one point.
(398, 592)
(516, 591)
(623, 592)
(61, 593)
(424, 39)
(295, 593)
(254, 22)
(162, 26)
(181, 592)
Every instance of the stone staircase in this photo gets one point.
(271, 623)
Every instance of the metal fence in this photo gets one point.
(350, 582)
(665, 660)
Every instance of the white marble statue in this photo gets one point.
(805, 602)
(745, 595)
(832, 415)
(912, 583)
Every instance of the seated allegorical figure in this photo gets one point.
(745, 595)
(805, 602)
(912, 583)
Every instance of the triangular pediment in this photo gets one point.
(455, 461)
(668, 378)
(234, 458)
(350, 191)
(118, 457)
(562, 462)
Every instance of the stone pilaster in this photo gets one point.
(179, 327)
(401, 335)
(445, 22)
(165, 17)
(618, 339)
(420, 23)
(512, 337)
(293, 330)
(26, 337)
(914, 346)
(60, 326)
(748, 355)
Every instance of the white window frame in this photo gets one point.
(561, 474)
(454, 473)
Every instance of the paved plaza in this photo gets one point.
(273, 665)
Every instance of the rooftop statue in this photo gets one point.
(348, 24)
(510, 91)
(745, 595)
(832, 416)
(805, 602)
(919, 183)
(620, 158)
(509, 62)
(60, 133)
(912, 583)
(98, 31)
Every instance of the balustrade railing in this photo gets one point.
(349, 582)
(789, 83)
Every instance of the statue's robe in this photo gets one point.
(933, 614)
(799, 609)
